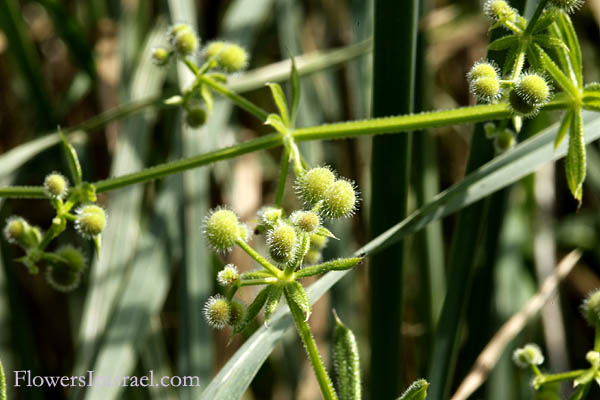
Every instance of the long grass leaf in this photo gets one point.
(233, 379)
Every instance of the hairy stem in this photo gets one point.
(563, 376)
(2, 383)
(236, 98)
(283, 172)
(259, 259)
(311, 350)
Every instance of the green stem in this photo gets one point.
(283, 172)
(311, 350)
(597, 339)
(259, 259)
(264, 281)
(2, 383)
(536, 15)
(236, 98)
(563, 376)
(376, 126)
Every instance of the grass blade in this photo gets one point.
(394, 73)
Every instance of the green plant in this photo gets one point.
(546, 44)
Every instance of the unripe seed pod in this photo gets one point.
(244, 232)
(504, 140)
(486, 88)
(340, 199)
(56, 186)
(282, 242)
(18, 231)
(222, 229)
(318, 242)
(236, 313)
(499, 10)
(312, 257)
(269, 215)
(482, 69)
(91, 220)
(217, 311)
(228, 275)
(593, 357)
(307, 221)
(567, 5)
(160, 56)
(533, 89)
(212, 49)
(490, 130)
(520, 106)
(184, 40)
(195, 117)
(591, 309)
(65, 276)
(232, 57)
(528, 355)
(313, 185)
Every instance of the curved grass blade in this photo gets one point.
(234, 378)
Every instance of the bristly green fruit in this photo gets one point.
(217, 311)
(314, 184)
(591, 309)
(91, 220)
(222, 229)
(160, 56)
(486, 88)
(56, 186)
(340, 199)
(312, 257)
(499, 10)
(195, 117)
(65, 276)
(232, 58)
(282, 242)
(530, 354)
(533, 89)
(15, 230)
(184, 40)
(520, 107)
(318, 241)
(504, 140)
(568, 6)
(228, 275)
(212, 49)
(269, 215)
(482, 69)
(236, 313)
(307, 221)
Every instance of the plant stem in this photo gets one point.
(259, 259)
(236, 98)
(311, 350)
(563, 376)
(536, 15)
(264, 281)
(597, 339)
(283, 172)
(2, 383)
(376, 126)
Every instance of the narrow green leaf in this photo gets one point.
(322, 231)
(258, 274)
(563, 129)
(340, 264)
(295, 82)
(416, 391)
(503, 43)
(346, 361)
(207, 96)
(575, 162)
(74, 165)
(592, 104)
(295, 291)
(510, 59)
(547, 18)
(568, 32)
(2, 382)
(534, 59)
(276, 122)
(273, 298)
(280, 102)
(591, 92)
(253, 310)
(559, 77)
(550, 42)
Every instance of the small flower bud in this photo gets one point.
(222, 229)
(591, 309)
(91, 220)
(312, 257)
(568, 6)
(214, 48)
(160, 56)
(307, 221)
(184, 40)
(228, 275)
(65, 276)
(485, 88)
(195, 117)
(318, 242)
(520, 106)
(282, 242)
(56, 186)
(313, 185)
(482, 69)
(269, 215)
(499, 10)
(18, 231)
(528, 355)
(236, 313)
(504, 140)
(232, 57)
(340, 199)
(533, 89)
(217, 311)
(593, 357)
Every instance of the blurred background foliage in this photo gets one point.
(139, 307)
